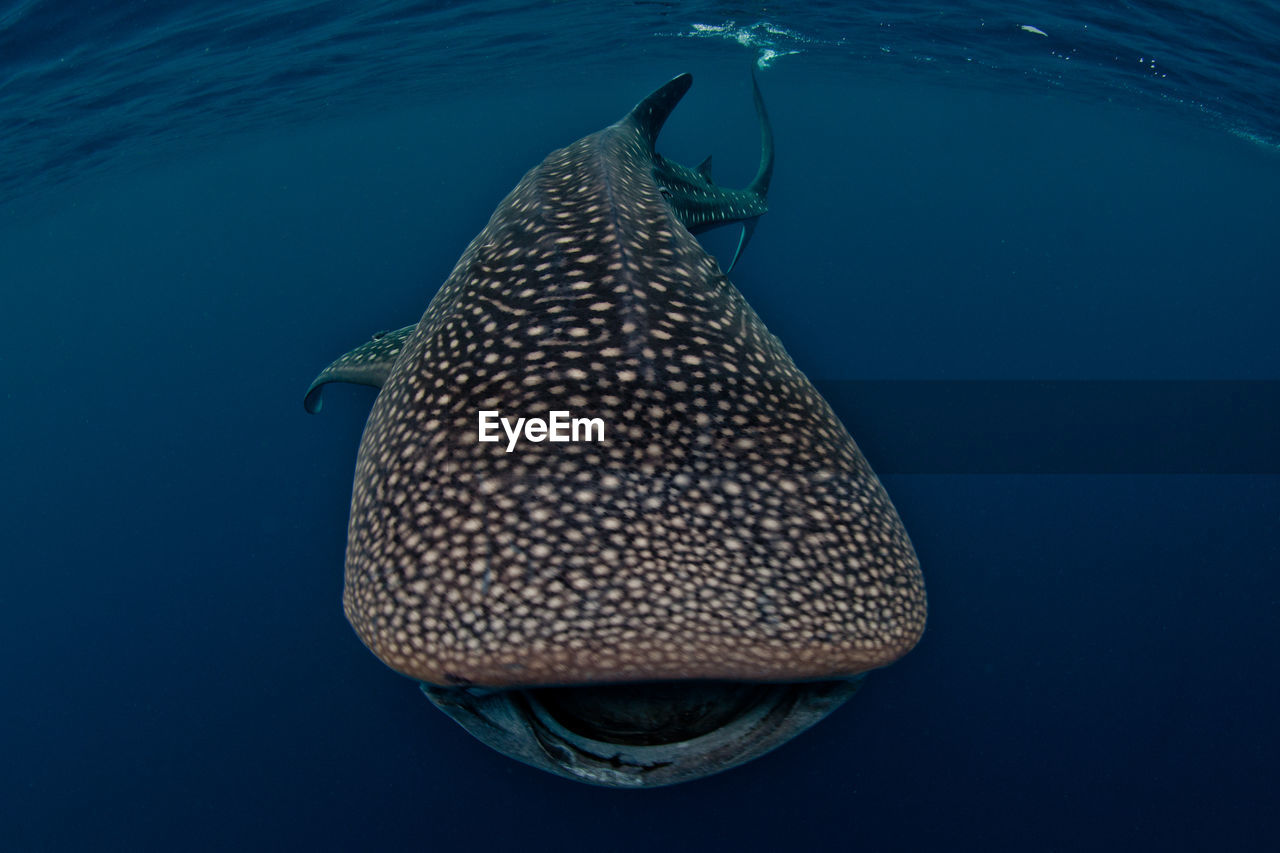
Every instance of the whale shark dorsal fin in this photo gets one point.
(651, 114)
(368, 364)
(704, 168)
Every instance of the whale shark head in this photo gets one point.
(705, 576)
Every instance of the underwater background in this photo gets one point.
(1030, 253)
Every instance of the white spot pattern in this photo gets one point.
(728, 527)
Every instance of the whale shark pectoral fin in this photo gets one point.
(368, 364)
(748, 228)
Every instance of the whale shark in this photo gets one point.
(694, 198)
(711, 577)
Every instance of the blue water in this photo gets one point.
(203, 203)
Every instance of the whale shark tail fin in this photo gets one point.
(764, 174)
(748, 228)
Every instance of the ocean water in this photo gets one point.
(1029, 253)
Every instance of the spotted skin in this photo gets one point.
(727, 527)
(695, 199)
